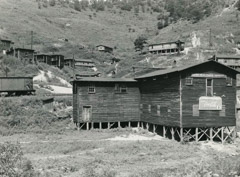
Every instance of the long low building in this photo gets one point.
(56, 60)
(196, 101)
(166, 48)
(232, 61)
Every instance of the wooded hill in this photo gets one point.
(76, 27)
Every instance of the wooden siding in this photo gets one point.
(192, 117)
(107, 106)
(163, 96)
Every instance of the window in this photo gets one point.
(120, 88)
(188, 81)
(222, 113)
(149, 108)
(91, 88)
(209, 87)
(229, 81)
(158, 110)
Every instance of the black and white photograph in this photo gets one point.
(119, 88)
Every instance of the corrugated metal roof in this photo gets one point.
(84, 60)
(172, 42)
(105, 79)
(228, 56)
(178, 69)
(23, 49)
(104, 46)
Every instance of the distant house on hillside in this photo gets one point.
(231, 61)
(22, 54)
(166, 48)
(68, 62)
(56, 60)
(104, 48)
(5, 45)
(42, 58)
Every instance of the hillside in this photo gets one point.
(65, 30)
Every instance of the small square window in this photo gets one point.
(120, 88)
(158, 110)
(229, 81)
(91, 88)
(149, 108)
(188, 81)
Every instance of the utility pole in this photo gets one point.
(74, 76)
(31, 39)
(210, 38)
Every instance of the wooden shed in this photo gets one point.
(196, 101)
(101, 102)
(5, 45)
(104, 48)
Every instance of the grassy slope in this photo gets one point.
(18, 18)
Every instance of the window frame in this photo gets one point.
(120, 88)
(211, 87)
(187, 79)
(91, 88)
(230, 84)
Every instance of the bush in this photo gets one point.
(77, 5)
(52, 2)
(12, 163)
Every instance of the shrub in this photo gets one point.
(52, 2)
(77, 5)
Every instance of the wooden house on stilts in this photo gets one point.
(105, 102)
(195, 102)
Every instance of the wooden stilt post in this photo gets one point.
(142, 125)
(78, 126)
(181, 134)
(211, 134)
(108, 125)
(119, 125)
(87, 125)
(164, 132)
(100, 125)
(92, 126)
(234, 134)
(147, 126)
(222, 135)
(138, 124)
(129, 124)
(172, 132)
(196, 132)
(154, 129)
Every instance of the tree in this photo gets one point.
(5, 69)
(139, 43)
(52, 2)
(238, 5)
(77, 5)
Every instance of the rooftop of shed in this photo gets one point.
(172, 42)
(227, 57)
(105, 79)
(179, 69)
(31, 50)
(104, 46)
